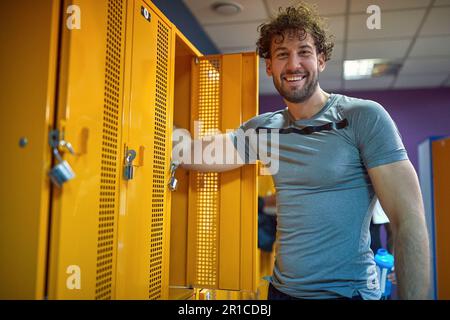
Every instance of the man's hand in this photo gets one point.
(398, 190)
(392, 277)
(270, 201)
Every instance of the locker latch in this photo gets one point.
(128, 170)
(173, 182)
(62, 171)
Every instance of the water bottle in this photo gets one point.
(385, 264)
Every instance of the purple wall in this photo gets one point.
(419, 114)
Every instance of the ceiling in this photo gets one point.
(415, 33)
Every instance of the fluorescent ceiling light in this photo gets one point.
(369, 68)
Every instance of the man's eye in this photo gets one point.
(282, 55)
(305, 52)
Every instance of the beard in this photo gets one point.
(297, 95)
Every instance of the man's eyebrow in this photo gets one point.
(279, 49)
(305, 46)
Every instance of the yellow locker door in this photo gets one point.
(441, 173)
(222, 231)
(143, 248)
(84, 210)
(28, 62)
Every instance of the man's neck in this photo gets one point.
(310, 107)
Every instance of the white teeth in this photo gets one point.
(295, 78)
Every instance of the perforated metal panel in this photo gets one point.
(110, 151)
(207, 184)
(159, 162)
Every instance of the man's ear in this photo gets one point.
(321, 62)
(268, 67)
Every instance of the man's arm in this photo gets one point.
(209, 154)
(397, 188)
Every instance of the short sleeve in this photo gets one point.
(376, 135)
(245, 139)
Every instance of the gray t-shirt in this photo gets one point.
(324, 193)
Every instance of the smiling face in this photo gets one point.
(294, 66)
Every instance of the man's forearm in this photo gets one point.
(205, 154)
(412, 264)
(398, 189)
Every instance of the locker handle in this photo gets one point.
(141, 156)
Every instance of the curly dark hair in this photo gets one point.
(296, 20)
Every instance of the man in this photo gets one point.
(335, 154)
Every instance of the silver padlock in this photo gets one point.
(128, 170)
(61, 172)
(173, 182)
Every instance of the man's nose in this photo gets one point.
(294, 63)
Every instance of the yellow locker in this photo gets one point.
(441, 174)
(28, 62)
(143, 240)
(67, 62)
(89, 115)
(185, 53)
(214, 216)
(111, 77)
(222, 234)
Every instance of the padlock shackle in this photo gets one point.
(57, 155)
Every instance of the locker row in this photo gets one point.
(88, 111)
